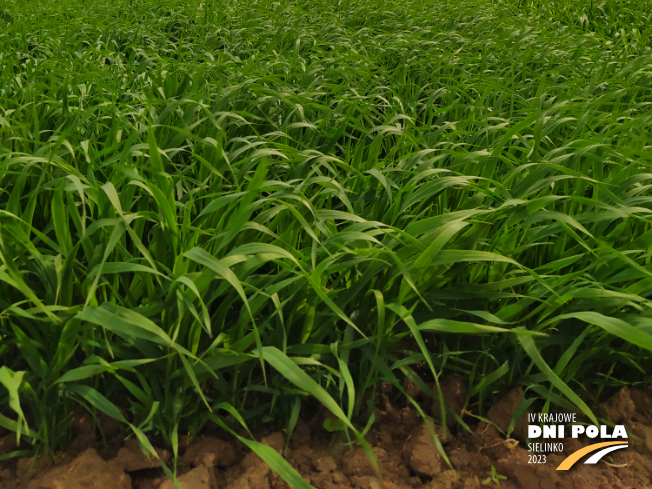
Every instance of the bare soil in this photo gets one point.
(401, 441)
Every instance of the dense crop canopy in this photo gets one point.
(210, 207)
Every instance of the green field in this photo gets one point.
(212, 208)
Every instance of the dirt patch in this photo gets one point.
(132, 458)
(87, 471)
(455, 392)
(401, 442)
(198, 478)
(503, 411)
(421, 452)
(211, 452)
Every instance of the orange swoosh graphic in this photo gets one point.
(574, 457)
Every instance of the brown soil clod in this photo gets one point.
(275, 440)
(108, 426)
(81, 423)
(423, 457)
(643, 402)
(197, 478)
(325, 464)
(455, 392)
(154, 483)
(88, 471)
(357, 464)
(527, 476)
(27, 467)
(620, 408)
(502, 412)
(210, 452)
(449, 479)
(132, 458)
(255, 473)
(254, 477)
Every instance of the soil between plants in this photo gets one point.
(407, 457)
